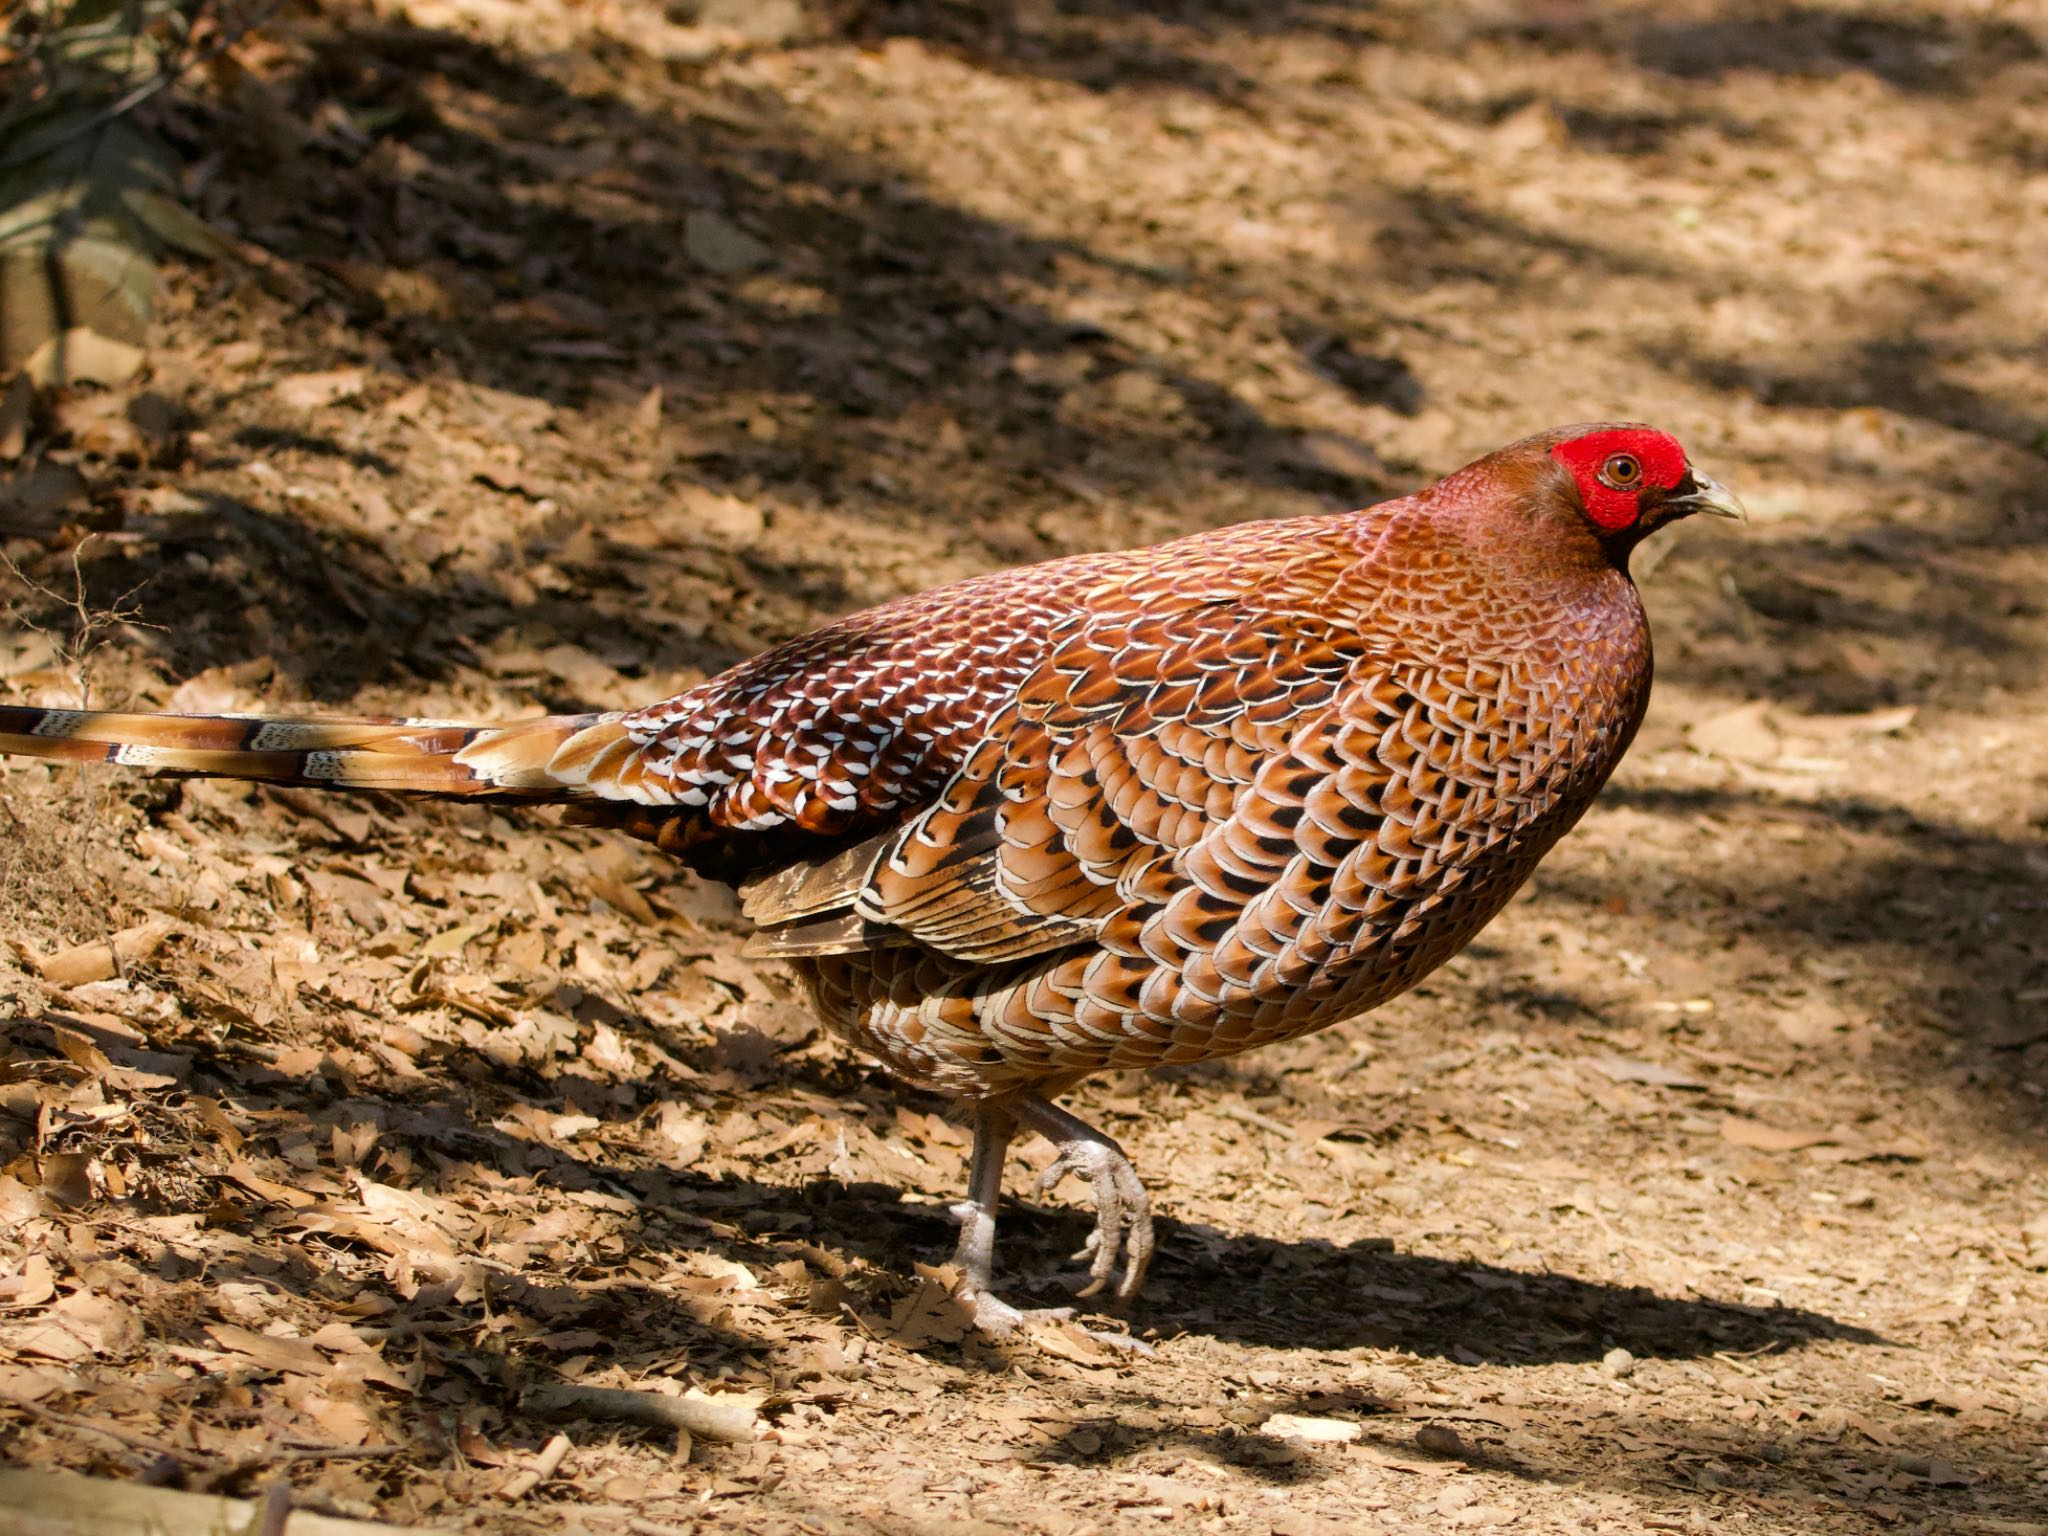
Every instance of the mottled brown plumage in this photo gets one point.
(1154, 806)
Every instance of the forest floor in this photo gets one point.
(576, 351)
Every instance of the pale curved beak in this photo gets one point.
(1712, 497)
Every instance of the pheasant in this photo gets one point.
(1111, 811)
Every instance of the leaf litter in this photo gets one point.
(371, 1145)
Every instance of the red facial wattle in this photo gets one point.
(1613, 507)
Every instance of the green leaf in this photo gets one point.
(83, 356)
(31, 207)
(28, 309)
(116, 36)
(109, 285)
(86, 200)
(173, 224)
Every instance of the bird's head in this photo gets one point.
(1628, 480)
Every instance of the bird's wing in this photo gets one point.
(1123, 752)
(847, 731)
(1219, 800)
(834, 735)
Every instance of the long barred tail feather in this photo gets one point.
(555, 758)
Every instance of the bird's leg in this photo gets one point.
(993, 1130)
(1123, 1211)
(976, 1252)
(1119, 1198)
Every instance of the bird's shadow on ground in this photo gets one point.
(1244, 1287)
(1316, 1294)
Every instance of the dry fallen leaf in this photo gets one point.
(1771, 1138)
(296, 1356)
(83, 356)
(2035, 1235)
(1874, 722)
(269, 1189)
(310, 391)
(720, 246)
(1071, 1342)
(931, 1314)
(1440, 1440)
(1742, 735)
(1288, 1425)
(33, 1287)
(67, 1178)
(452, 941)
(647, 413)
(41, 1339)
(1623, 1070)
(104, 1325)
(727, 518)
(99, 960)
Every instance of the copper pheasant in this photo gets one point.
(1116, 810)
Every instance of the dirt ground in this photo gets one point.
(577, 350)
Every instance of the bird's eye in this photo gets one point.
(1623, 471)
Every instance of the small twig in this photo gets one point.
(309, 1449)
(705, 1418)
(125, 1436)
(91, 623)
(1361, 1057)
(275, 1509)
(1734, 1364)
(213, 1466)
(545, 1466)
(1244, 1116)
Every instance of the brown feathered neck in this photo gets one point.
(1516, 514)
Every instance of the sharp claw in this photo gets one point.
(1058, 1169)
(1123, 1216)
(1123, 1341)
(1137, 1218)
(1123, 1211)
(998, 1319)
(1104, 1265)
